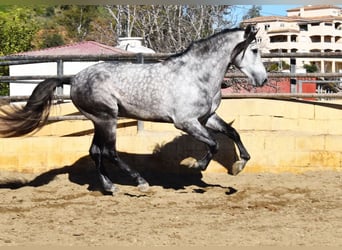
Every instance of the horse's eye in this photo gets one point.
(255, 51)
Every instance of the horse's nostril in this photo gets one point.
(264, 82)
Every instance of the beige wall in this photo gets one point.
(280, 136)
(309, 12)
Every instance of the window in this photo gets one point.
(259, 39)
(278, 51)
(327, 39)
(293, 38)
(315, 39)
(278, 39)
(303, 27)
(267, 27)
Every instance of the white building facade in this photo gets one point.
(304, 30)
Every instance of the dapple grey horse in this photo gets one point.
(185, 90)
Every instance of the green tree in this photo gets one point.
(52, 40)
(17, 29)
(254, 11)
(310, 68)
(4, 86)
(4, 89)
(77, 19)
(277, 66)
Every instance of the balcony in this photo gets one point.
(322, 30)
(304, 46)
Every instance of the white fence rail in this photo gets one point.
(152, 58)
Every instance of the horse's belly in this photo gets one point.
(144, 113)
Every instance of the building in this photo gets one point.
(51, 68)
(312, 28)
(130, 45)
(134, 44)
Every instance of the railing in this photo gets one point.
(152, 58)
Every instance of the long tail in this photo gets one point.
(18, 121)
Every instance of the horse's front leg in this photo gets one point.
(199, 132)
(219, 125)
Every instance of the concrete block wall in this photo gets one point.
(281, 136)
(288, 135)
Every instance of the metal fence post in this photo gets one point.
(300, 86)
(140, 59)
(59, 89)
(293, 81)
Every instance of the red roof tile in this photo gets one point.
(273, 19)
(82, 48)
(298, 19)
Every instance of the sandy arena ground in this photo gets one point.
(65, 207)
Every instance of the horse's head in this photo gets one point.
(246, 57)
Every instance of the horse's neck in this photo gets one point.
(216, 57)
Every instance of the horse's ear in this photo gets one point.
(250, 34)
(248, 30)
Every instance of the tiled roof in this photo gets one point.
(314, 7)
(263, 19)
(81, 48)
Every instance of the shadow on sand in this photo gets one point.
(161, 168)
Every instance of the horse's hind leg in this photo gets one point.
(96, 153)
(219, 125)
(104, 142)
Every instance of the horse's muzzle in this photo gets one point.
(261, 82)
(264, 82)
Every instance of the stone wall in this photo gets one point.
(281, 136)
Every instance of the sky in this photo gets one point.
(269, 10)
(276, 10)
(266, 10)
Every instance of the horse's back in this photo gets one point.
(134, 90)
